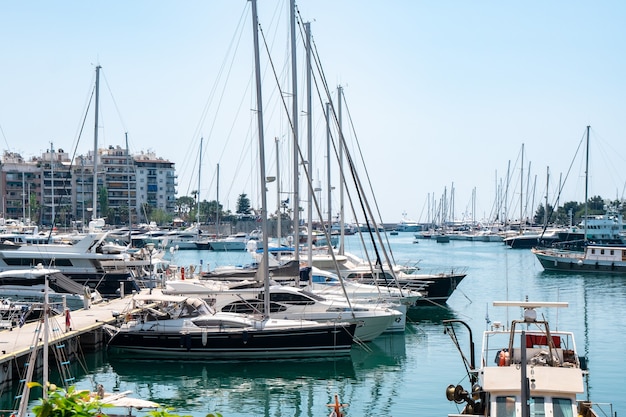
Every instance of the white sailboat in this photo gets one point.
(207, 334)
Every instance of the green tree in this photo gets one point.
(210, 210)
(36, 211)
(563, 214)
(103, 201)
(243, 204)
(122, 215)
(184, 205)
(161, 217)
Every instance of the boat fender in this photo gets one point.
(244, 337)
(182, 273)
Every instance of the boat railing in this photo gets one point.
(594, 409)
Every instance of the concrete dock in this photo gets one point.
(81, 332)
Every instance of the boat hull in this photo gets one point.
(550, 263)
(435, 288)
(608, 260)
(325, 341)
(227, 246)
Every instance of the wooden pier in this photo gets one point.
(82, 331)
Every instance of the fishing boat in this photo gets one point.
(601, 250)
(186, 328)
(529, 369)
(594, 259)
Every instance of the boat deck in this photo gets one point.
(84, 324)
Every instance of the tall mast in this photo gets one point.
(257, 66)
(329, 196)
(278, 213)
(198, 193)
(52, 183)
(521, 192)
(342, 229)
(309, 128)
(94, 214)
(545, 222)
(46, 337)
(294, 118)
(130, 217)
(587, 184)
(217, 208)
(24, 197)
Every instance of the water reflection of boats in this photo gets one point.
(430, 314)
(179, 383)
(169, 371)
(388, 350)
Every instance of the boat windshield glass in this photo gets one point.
(505, 406)
(562, 407)
(537, 407)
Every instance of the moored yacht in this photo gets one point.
(83, 262)
(184, 328)
(434, 287)
(407, 225)
(28, 285)
(231, 243)
(292, 303)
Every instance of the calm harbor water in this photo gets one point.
(396, 375)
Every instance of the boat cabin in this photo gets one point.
(527, 364)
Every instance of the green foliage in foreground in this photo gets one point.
(61, 403)
(74, 403)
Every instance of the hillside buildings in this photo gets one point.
(53, 186)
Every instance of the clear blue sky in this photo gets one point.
(439, 92)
